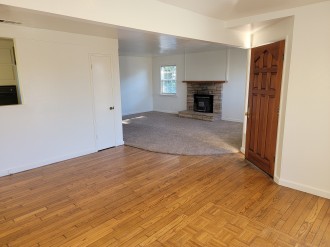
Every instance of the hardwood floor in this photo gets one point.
(130, 197)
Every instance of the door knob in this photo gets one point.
(247, 114)
(112, 108)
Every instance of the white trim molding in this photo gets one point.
(302, 187)
(45, 162)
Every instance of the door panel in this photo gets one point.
(103, 99)
(263, 106)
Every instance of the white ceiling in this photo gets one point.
(234, 9)
(131, 42)
(141, 43)
(43, 20)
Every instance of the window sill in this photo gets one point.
(12, 105)
(168, 94)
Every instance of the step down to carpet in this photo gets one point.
(200, 115)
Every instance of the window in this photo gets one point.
(168, 79)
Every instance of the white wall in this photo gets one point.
(136, 84)
(205, 66)
(233, 96)
(304, 133)
(148, 15)
(227, 65)
(55, 121)
(169, 103)
(210, 65)
(306, 139)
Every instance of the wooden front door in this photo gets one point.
(263, 106)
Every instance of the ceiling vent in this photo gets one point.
(10, 22)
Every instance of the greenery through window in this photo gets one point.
(168, 79)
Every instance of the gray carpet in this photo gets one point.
(168, 133)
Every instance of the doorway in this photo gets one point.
(263, 105)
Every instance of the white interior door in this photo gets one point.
(102, 81)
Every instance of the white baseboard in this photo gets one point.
(232, 120)
(302, 187)
(276, 179)
(242, 150)
(135, 112)
(4, 173)
(50, 161)
(45, 162)
(165, 111)
(120, 143)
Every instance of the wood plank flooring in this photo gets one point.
(130, 197)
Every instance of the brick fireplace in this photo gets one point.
(203, 88)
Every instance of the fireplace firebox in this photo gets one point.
(203, 103)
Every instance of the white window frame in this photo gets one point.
(161, 83)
